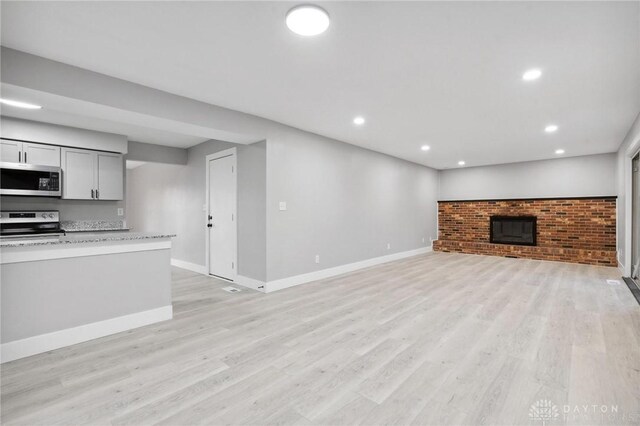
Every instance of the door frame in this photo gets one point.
(635, 221)
(231, 152)
(629, 155)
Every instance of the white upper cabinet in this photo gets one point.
(78, 174)
(92, 175)
(42, 155)
(10, 151)
(110, 176)
(29, 153)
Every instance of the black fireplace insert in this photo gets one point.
(520, 230)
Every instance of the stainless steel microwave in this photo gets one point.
(30, 179)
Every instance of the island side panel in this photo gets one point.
(45, 296)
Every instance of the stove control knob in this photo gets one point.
(44, 215)
(51, 215)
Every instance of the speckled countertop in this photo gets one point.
(82, 237)
(93, 225)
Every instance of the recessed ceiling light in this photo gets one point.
(19, 104)
(307, 20)
(358, 120)
(551, 128)
(532, 74)
(425, 147)
(559, 151)
(461, 163)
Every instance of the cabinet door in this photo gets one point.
(110, 176)
(41, 155)
(78, 174)
(10, 151)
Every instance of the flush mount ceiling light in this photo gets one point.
(359, 121)
(559, 151)
(307, 20)
(425, 147)
(19, 104)
(532, 74)
(461, 163)
(551, 128)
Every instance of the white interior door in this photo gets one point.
(221, 217)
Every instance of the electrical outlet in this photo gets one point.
(317, 258)
(388, 246)
(283, 205)
(120, 212)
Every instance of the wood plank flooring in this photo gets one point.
(435, 339)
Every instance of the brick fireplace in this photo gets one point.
(578, 230)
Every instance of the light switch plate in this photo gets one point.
(120, 212)
(283, 205)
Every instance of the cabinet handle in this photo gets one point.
(97, 194)
(92, 197)
(19, 157)
(25, 156)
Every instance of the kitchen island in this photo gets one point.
(59, 291)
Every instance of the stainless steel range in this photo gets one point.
(30, 223)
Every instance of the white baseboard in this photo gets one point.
(339, 270)
(46, 342)
(250, 283)
(200, 269)
(193, 267)
(304, 278)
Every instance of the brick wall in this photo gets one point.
(581, 230)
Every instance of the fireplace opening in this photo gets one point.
(520, 230)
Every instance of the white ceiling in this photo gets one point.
(446, 74)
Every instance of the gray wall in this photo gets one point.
(344, 203)
(170, 198)
(584, 176)
(629, 146)
(51, 295)
(140, 151)
(67, 136)
(69, 209)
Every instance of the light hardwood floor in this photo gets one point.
(434, 339)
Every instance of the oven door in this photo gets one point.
(8, 230)
(28, 179)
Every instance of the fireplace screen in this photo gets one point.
(519, 230)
